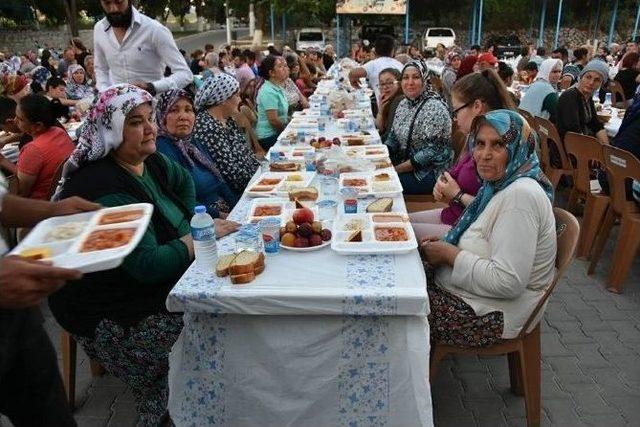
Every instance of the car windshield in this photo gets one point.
(440, 32)
(310, 37)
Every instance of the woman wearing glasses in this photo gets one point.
(390, 97)
(471, 96)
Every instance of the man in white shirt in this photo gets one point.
(385, 47)
(130, 47)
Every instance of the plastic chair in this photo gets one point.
(523, 352)
(618, 99)
(586, 150)
(621, 167)
(528, 117)
(549, 137)
(69, 356)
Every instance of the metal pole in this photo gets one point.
(612, 27)
(480, 22)
(635, 27)
(475, 20)
(338, 52)
(273, 25)
(406, 25)
(228, 21)
(543, 15)
(596, 28)
(555, 42)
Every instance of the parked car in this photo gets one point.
(434, 35)
(505, 46)
(372, 31)
(310, 38)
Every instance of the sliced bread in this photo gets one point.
(304, 193)
(356, 236)
(245, 262)
(380, 205)
(243, 279)
(224, 262)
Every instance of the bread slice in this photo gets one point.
(381, 177)
(356, 236)
(284, 166)
(355, 141)
(259, 270)
(380, 205)
(243, 279)
(245, 262)
(304, 193)
(224, 262)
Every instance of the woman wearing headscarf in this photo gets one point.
(14, 86)
(493, 266)
(39, 77)
(119, 315)
(541, 99)
(420, 138)
(218, 134)
(576, 109)
(77, 87)
(450, 73)
(175, 117)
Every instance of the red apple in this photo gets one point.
(322, 138)
(326, 234)
(315, 240)
(303, 215)
(305, 230)
(301, 242)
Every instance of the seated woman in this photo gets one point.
(271, 103)
(40, 159)
(420, 140)
(297, 101)
(576, 110)
(175, 118)
(450, 73)
(77, 87)
(473, 95)
(119, 316)
(390, 97)
(629, 74)
(39, 76)
(218, 134)
(90, 72)
(541, 99)
(493, 267)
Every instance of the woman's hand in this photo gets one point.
(437, 252)
(447, 187)
(73, 205)
(188, 242)
(224, 227)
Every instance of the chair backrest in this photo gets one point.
(567, 232)
(55, 180)
(549, 137)
(528, 117)
(249, 114)
(618, 99)
(621, 166)
(458, 141)
(585, 150)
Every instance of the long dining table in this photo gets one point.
(318, 339)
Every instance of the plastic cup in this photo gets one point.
(322, 123)
(309, 161)
(270, 230)
(327, 209)
(329, 187)
(265, 166)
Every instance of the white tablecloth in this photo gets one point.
(318, 339)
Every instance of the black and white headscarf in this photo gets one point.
(216, 90)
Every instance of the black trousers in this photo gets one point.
(31, 390)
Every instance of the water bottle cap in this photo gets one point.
(200, 209)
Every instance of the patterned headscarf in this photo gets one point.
(451, 55)
(102, 131)
(40, 75)
(11, 84)
(523, 162)
(425, 74)
(190, 152)
(77, 90)
(216, 90)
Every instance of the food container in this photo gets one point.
(377, 233)
(376, 183)
(309, 161)
(99, 241)
(329, 186)
(351, 206)
(270, 231)
(327, 209)
(278, 183)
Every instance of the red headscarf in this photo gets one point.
(466, 66)
(11, 84)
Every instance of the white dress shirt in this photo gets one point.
(3, 192)
(146, 49)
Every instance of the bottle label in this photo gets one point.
(203, 234)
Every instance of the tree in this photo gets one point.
(180, 8)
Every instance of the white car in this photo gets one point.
(310, 38)
(433, 36)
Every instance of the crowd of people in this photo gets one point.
(177, 130)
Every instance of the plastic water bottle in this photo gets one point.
(203, 231)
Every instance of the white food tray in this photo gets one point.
(370, 186)
(68, 253)
(371, 226)
(293, 153)
(286, 209)
(306, 113)
(260, 187)
(374, 152)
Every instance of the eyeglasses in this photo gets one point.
(455, 112)
(388, 84)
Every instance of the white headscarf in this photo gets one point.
(547, 67)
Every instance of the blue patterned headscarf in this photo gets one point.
(523, 163)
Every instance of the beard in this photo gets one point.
(121, 20)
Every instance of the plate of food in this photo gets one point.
(374, 233)
(90, 241)
(271, 184)
(378, 184)
(303, 233)
(373, 152)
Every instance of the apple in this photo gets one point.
(290, 227)
(305, 230)
(315, 240)
(303, 215)
(301, 242)
(316, 227)
(326, 234)
(336, 141)
(322, 138)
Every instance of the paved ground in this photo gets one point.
(217, 37)
(590, 367)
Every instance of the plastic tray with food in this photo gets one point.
(306, 113)
(362, 138)
(89, 242)
(272, 207)
(292, 153)
(379, 184)
(377, 233)
(279, 183)
(374, 151)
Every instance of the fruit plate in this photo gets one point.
(309, 249)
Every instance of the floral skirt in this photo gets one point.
(453, 321)
(139, 357)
